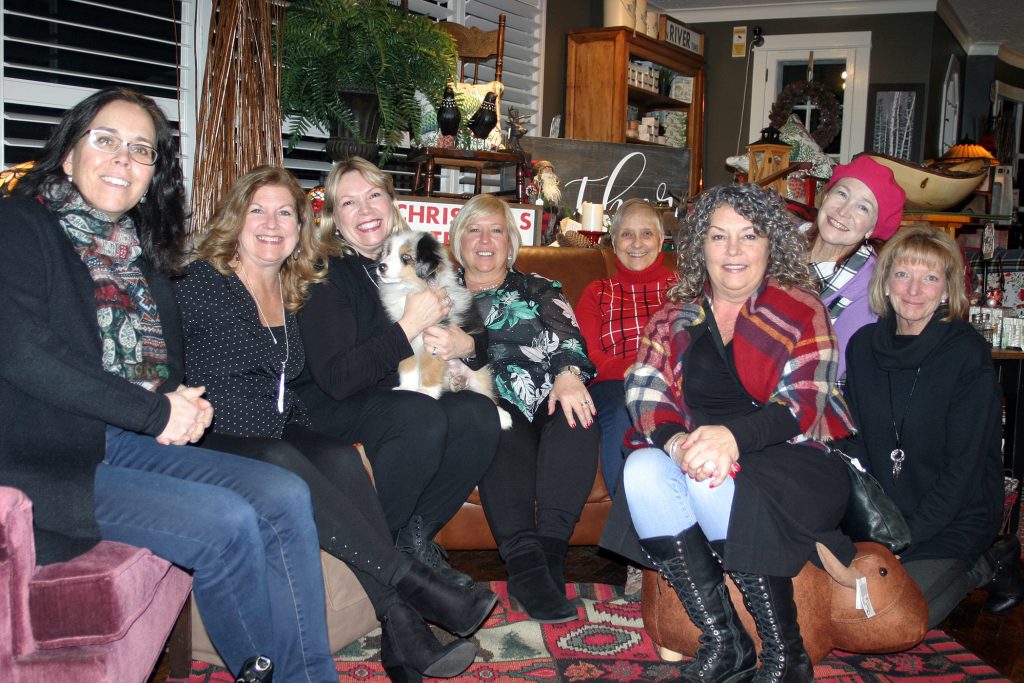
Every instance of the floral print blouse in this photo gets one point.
(532, 336)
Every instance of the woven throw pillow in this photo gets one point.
(468, 98)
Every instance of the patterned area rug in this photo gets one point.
(610, 644)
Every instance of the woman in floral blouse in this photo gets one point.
(546, 463)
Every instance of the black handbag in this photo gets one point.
(871, 515)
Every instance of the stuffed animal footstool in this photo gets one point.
(826, 610)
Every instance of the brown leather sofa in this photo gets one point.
(575, 269)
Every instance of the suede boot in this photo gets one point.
(555, 550)
(532, 589)
(726, 653)
(454, 608)
(770, 600)
(409, 650)
(417, 539)
(1006, 589)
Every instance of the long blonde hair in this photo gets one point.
(306, 266)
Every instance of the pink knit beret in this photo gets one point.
(879, 179)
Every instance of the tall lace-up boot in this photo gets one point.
(726, 653)
(769, 599)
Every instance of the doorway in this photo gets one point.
(785, 59)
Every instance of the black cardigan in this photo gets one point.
(950, 488)
(350, 342)
(55, 397)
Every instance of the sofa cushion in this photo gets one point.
(94, 598)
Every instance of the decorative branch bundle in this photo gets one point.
(240, 114)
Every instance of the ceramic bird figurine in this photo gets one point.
(448, 115)
(485, 118)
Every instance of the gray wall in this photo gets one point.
(910, 48)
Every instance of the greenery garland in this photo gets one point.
(821, 97)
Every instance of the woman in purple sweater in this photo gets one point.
(862, 207)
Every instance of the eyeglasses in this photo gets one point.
(108, 143)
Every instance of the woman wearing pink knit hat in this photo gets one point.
(862, 208)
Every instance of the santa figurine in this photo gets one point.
(544, 191)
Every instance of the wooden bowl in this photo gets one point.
(930, 189)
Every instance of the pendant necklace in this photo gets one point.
(263, 318)
(897, 455)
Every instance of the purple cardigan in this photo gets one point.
(857, 314)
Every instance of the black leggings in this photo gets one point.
(349, 520)
(427, 454)
(544, 466)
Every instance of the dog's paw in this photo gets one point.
(504, 418)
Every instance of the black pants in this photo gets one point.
(539, 480)
(427, 454)
(349, 519)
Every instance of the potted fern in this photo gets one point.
(348, 65)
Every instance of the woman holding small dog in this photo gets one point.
(250, 276)
(545, 466)
(427, 453)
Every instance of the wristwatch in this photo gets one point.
(573, 370)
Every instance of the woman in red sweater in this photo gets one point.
(612, 314)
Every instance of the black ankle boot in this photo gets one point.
(1006, 589)
(533, 590)
(409, 651)
(439, 600)
(769, 600)
(554, 551)
(726, 653)
(417, 539)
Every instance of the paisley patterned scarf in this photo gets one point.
(129, 323)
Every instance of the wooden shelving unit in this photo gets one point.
(598, 92)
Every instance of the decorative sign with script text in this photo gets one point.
(679, 34)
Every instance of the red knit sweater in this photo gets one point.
(613, 312)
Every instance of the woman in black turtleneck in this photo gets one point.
(924, 395)
(427, 454)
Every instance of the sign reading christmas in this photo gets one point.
(435, 215)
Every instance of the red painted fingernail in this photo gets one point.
(711, 486)
(736, 467)
(732, 474)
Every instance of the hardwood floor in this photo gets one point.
(999, 641)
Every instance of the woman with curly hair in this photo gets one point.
(733, 391)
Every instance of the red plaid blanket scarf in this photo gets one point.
(784, 349)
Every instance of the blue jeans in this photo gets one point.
(244, 528)
(664, 501)
(610, 402)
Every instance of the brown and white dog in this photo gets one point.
(413, 261)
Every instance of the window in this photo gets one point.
(57, 52)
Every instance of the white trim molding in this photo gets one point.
(796, 10)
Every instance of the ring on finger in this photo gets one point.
(709, 465)
(434, 352)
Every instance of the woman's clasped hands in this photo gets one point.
(191, 416)
(707, 453)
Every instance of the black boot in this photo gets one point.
(417, 539)
(534, 591)
(726, 653)
(554, 551)
(454, 608)
(1006, 589)
(409, 650)
(769, 600)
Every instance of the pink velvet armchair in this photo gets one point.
(102, 616)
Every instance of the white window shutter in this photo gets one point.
(54, 54)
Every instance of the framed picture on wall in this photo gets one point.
(896, 120)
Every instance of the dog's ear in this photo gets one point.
(428, 257)
(385, 250)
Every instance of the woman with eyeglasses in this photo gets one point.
(96, 424)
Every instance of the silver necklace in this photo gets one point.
(897, 455)
(270, 331)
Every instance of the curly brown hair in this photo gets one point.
(306, 266)
(764, 208)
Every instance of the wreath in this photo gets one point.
(821, 97)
